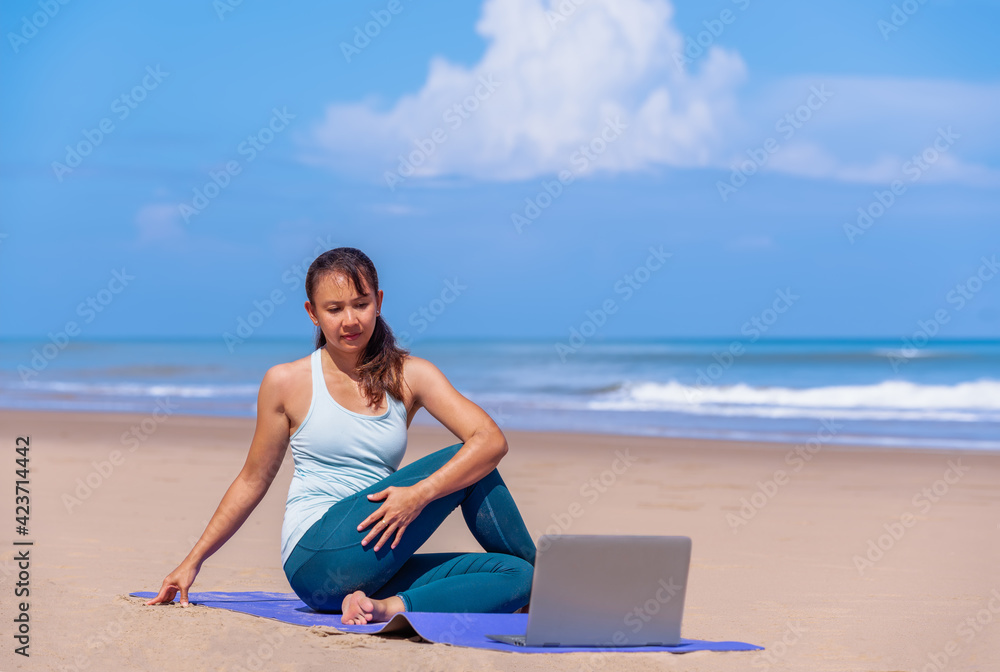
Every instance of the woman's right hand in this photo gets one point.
(179, 579)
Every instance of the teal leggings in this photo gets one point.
(329, 562)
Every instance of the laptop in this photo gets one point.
(606, 590)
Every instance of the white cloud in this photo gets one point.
(395, 209)
(875, 130)
(543, 90)
(553, 90)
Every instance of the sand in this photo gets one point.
(855, 559)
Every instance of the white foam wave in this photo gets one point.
(888, 400)
(905, 353)
(142, 389)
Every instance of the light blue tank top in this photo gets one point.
(337, 452)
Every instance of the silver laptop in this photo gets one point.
(606, 590)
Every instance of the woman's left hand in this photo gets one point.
(401, 506)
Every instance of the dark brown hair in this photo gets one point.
(380, 366)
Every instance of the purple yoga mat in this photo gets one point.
(448, 628)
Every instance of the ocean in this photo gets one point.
(940, 394)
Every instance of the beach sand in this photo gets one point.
(784, 570)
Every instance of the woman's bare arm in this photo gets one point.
(267, 449)
(484, 446)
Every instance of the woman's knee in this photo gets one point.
(517, 568)
(522, 568)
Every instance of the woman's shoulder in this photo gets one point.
(417, 371)
(415, 366)
(281, 377)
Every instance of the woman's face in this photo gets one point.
(346, 317)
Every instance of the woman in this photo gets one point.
(345, 410)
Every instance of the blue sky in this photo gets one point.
(821, 108)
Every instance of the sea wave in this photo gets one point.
(131, 389)
(888, 400)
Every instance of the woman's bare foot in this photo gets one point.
(359, 609)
